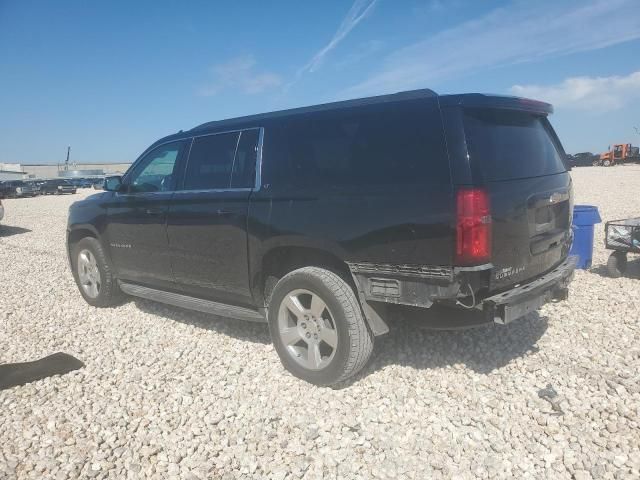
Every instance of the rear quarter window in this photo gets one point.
(508, 145)
(398, 144)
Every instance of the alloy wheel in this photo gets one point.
(89, 274)
(307, 329)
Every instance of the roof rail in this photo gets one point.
(393, 97)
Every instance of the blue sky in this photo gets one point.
(109, 78)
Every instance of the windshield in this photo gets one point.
(512, 144)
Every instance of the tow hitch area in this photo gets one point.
(517, 302)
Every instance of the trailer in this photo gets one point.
(623, 237)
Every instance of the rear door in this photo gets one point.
(207, 220)
(519, 160)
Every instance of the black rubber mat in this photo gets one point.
(14, 374)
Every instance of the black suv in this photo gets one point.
(322, 220)
(17, 188)
(583, 159)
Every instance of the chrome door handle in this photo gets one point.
(154, 211)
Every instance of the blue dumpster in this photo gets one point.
(584, 218)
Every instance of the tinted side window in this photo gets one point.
(244, 165)
(154, 173)
(376, 145)
(211, 161)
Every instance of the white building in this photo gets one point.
(48, 170)
(11, 171)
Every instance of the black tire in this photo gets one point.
(109, 293)
(354, 339)
(596, 163)
(606, 163)
(617, 264)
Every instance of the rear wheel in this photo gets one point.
(317, 326)
(617, 264)
(93, 274)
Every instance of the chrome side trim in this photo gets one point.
(475, 268)
(419, 271)
(167, 193)
(234, 130)
(212, 190)
(259, 160)
(192, 303)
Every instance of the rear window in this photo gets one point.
(511, 145)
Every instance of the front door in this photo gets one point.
(207, 219)
(137, 215)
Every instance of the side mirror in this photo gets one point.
(112, 184)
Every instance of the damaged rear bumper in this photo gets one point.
(518, 301)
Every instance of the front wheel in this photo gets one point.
(93, 274)
(606, 163)
(317, 326)
(617, 264)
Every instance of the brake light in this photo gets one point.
(473, 245)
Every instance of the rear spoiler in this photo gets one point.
(480, 100)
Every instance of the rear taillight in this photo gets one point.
(473, 245)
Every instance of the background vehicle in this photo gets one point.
(1, 208)
(81, 182)
(619, 153)
(583, 159)
(34, 185)
(18, 188)
(57, 187)
(320, 220)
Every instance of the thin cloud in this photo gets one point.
(361, 52)
(597, 94)
(521, 32)
(358, 12)
(240, 73)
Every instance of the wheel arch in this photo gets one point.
(78, 232)
(280, 260)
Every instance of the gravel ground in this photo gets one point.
(167, 393)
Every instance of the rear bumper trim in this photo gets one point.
(517, 302)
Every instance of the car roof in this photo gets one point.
(261, 117)
(358, 102)
(464, 99)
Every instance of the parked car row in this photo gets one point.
(57, 186)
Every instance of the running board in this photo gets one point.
(192, 303)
